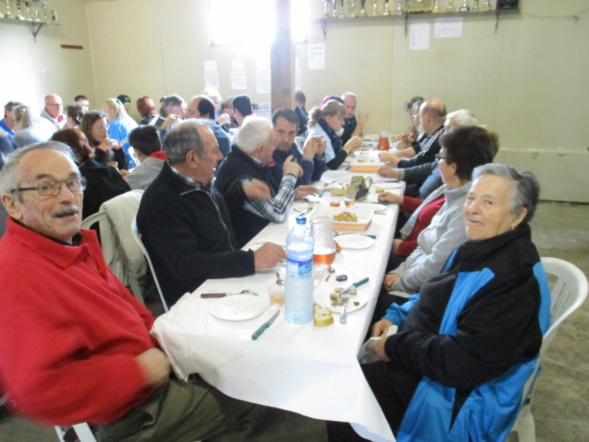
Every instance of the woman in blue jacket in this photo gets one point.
(469, 340)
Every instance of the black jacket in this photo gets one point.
(102, 183)
(188, 235)
(236, 167)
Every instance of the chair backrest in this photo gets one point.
(120, 251)
(569, 288)
(137, 236)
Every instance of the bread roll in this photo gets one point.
(322, 316)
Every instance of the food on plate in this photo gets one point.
(322, 316)
(378, 190)
(334, 203)
(336, 298)
(347, 217)
(338, 191)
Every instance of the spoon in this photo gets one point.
(279, 280)
(331, 271)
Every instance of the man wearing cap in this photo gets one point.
(52, 113)
(126, 101)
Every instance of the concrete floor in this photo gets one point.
(561, 403)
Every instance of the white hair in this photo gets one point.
(254, 131)
(460, 117)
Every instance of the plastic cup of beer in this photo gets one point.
(349, 202)
(276, 293)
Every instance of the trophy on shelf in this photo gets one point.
(464, 7)
(342, 11)
(436, 8)
(19, 15)
(362, 10)
(326, 8)
(352, 10)
(334, 9)
(44, 7)
(399, 10)
(386, 11)
(450, 7)
(475, 5)
(35, 16)
(487, 6)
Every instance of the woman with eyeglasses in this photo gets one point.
(95, 127)
(463, 149)
(103, 182)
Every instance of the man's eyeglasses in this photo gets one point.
(54, 104)
(440, 157)
(52, 188)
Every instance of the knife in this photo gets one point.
(356, 284)
(265, 325)
(223, 294)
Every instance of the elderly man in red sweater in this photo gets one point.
(75, 344)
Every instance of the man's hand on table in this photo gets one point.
(268, 256)
(391, 159)
(291, 166)
(376, 346)
(388, 172)
(257, 190)
(389, 280)
(389, 197)
(155, 366)
(303, 191)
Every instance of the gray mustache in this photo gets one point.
(67, 210)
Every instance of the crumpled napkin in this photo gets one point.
(190, 343)
(366, 356)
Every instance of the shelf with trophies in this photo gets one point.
(35, 13)
(369, 10)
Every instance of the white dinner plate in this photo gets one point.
(356, 301)
(354, 241)
(386, 186)
(238, 307)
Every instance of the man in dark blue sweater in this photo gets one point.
(184, 221)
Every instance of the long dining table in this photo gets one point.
(305, 369)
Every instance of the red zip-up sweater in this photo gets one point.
(70, 331)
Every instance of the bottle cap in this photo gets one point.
(301, 220)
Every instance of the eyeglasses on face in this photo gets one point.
(52, 187)
(440, 157)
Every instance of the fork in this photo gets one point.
(346, 299)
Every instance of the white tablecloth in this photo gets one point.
(308, 370)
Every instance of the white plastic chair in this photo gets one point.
(568, 293)
(120, 252)
(137, 236)
(83, 432)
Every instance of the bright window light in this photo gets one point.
(251, 22)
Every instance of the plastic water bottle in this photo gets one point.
(298, 302)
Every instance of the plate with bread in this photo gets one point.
(328, 297)
(346, 218)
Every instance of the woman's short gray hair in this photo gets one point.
(10, 175)
(255, 131)
(527, 188)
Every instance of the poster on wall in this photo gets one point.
(317, 56)
(238, 75)
(263, 78)
(419, 39)
(211, 74)
(298, 86)
(450, 27)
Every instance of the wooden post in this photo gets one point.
(282, 59)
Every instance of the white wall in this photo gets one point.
(527, 79)
(32, 70)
